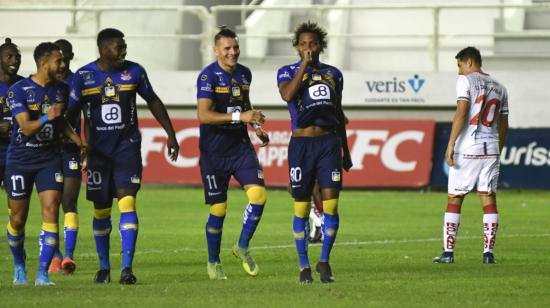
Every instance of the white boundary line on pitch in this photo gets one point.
(348, 243)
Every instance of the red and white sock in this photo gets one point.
(451, 222)
(490, 227)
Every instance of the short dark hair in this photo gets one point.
(108, 34)
(310, 27)
(471, 53)
(44, 49)
(224, 32)
(7, 44)
(66, 47)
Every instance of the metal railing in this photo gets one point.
(209, 18)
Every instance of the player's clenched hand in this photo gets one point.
(55, 111)
(253, 116)
(173, 149)
(264, 137)
(449, 156)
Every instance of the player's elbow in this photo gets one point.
(203, 118)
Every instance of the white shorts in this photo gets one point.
(471, 169)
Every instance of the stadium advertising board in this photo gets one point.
(386, 153)
(525, 161)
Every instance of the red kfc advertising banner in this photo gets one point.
(385, 153)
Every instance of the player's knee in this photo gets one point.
(127, 204)
(330, 206)
(257, 195)
(15, 229)
(71, 221)
(18, 221)
(302, 208)
(218, 209)
(102, 213)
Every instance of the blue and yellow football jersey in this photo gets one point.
(315, 103)
(229, 93)
(69, 144)
(27, 96)
(109, 98)
(5, 114)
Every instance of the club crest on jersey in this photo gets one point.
(135, 179)
(45, 108)
(204, 77)
(336, 177)
(125, 75)
(59, 177)
(236, 91)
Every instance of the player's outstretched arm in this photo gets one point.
(459, 121)
(31, 127)
(159, 112)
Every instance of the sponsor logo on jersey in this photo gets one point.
(125, 75)
(31, 97)
(88, 77)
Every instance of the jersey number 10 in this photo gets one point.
(488, 112)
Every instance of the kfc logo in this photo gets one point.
(385, 153)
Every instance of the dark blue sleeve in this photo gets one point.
(16, 100)
(284, 74)
(144, 88)
(205, 85)
(75, 91)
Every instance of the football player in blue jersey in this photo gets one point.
(224, 112)
(72, 177)
(313, 91)
(10, 60)
(106, 90)
(33, 158)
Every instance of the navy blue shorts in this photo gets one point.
(314, 158)
(71, 164)
(105, 175)
(19, 180)
(216, 171)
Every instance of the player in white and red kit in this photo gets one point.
(477, 136)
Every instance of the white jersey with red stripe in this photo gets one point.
(488, 100)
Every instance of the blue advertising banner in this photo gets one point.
(525, 159)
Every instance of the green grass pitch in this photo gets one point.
(382, 256)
